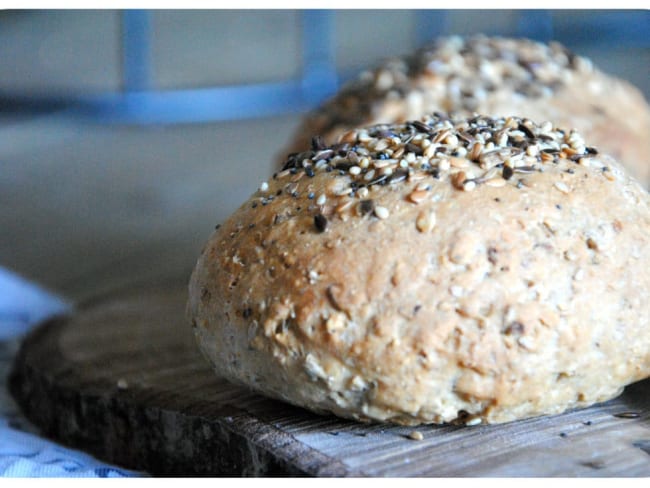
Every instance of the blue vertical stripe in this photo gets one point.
(136, 50)
(319, 77)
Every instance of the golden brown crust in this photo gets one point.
(494, 76)
(472, 283)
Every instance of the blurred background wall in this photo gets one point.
(69, 55)
(125, 136)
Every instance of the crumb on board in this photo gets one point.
(415, 435)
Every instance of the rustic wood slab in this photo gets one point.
(123, 380)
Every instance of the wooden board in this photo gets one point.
(123, 380)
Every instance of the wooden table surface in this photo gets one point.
(123, 379)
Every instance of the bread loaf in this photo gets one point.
(441, 270)
(494, 76)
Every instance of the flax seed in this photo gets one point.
(418, 196)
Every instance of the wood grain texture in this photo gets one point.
(123, 379)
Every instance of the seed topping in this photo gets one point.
(415, 157)
(381, 212)
(468, 69)
(320, 222)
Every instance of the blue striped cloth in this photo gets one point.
(23, 452)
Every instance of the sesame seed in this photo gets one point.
(321, 199)
(426, 221)
(355, 170)
(474, 421)
(526, 343)
(460, 152)
(264, 186)
(451, 140)
(430, 150)
(381, 145)
(511, 123)
(369, 175)
(609, 175)
(382, 212)
(469, 185)
(456, 291)
(532, 150)
(561, 186)
(584, 161)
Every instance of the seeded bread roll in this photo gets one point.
(494, 76)
(473, 270)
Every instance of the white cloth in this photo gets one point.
(23, 304)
